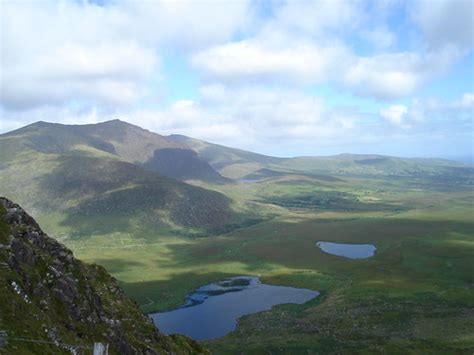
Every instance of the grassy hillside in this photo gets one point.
(414, 296)
(236, 163)
(230, 162)
(376, 165)
(115, 139)
(52, 303)
(78, 190)
(128, 142)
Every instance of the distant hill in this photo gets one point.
(371, 165)
(114, 138)
(51, 303)
(81, 178)
(116, 177)
(236, 163)
(265, 173)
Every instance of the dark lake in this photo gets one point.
(353, 251)
(212, 310)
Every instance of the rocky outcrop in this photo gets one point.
(63, 305)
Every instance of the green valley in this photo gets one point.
(162, 238)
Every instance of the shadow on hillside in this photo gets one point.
(169, 293)
(411, 250)
(115, 266)
(422, 268)
(105, 195)
(265, 173)
(183, 164)
(162, 295)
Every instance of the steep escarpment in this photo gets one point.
(51, 302)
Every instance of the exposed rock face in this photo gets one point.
(47, 295)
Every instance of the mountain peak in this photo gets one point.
(115, 121)
(118, 123)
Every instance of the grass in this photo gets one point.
(415, 295)
(50, 301)
(81, 195)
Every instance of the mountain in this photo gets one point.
(52, 303)
(81, 179)
(114, 177)
(116, 139)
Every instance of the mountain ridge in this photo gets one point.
(180, 141)
(115, 138)
(61, 304)
(72, 173)
(238, 164)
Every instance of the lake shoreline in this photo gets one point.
(212, 310)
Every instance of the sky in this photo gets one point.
(278, 77)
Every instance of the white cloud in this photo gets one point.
(433, 113)
(300, 62)
(466, 101)
(58, 53)
(67, 52)
(386, 76)
(72, 61)
(319, 17)
(15, 119)
(186, 24)
(383, 76)
(107, 74)
(250, 117)
(395, 75)
(284, 121)
(380, 37)
(308, 42)
(445, 22)
(395, 114)
(254, 118)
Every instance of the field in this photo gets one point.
(415, 295)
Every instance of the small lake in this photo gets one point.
(352, 251)
(212, 310)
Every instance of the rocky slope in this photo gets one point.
(51, 302)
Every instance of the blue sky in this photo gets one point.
(278, 77)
